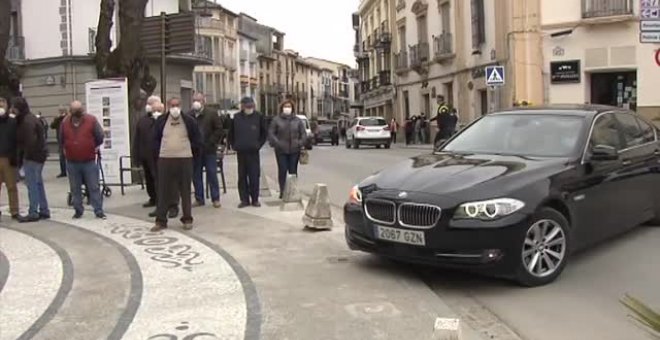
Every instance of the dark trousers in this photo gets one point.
(393, 137)
(210, 163)
(62, 161)
(287, 164)
(174, 179)
(150, 175)
(409, 138)
(249, 172)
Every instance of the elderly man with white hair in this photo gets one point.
(143, 147)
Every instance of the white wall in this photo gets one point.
(154, 7)
(85, 15)
(41, 28)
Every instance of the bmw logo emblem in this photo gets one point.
(403, 194)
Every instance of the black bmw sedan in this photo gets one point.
(514, 193)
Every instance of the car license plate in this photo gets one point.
(415, 238)
(373, 130)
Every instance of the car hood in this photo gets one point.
(460, 174)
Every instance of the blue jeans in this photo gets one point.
(85, 173)
(210, 162)
(287, 164)
(36, 191)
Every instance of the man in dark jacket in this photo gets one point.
(247, 134)
(32, 146)
(81, 137)
(143, 149)
(177, 141)
(210, 125)
(8, 156)
(55, 125)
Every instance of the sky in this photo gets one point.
(314, 28)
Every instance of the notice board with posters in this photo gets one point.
(107, 100)
(565, 72)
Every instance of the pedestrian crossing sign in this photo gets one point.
(495, 75)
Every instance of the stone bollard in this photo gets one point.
(264, 190)
(447, 329)
(291, 197)
(318, 215)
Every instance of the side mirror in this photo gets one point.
(604, 153)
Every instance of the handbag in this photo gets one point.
(304, 157)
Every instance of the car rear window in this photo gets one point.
(373, 122)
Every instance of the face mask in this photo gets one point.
(148, 108)
(249, 111)
(175, 112)
(287, 110)
(2, 112)
(156, 114)
(197, 106)
(77, 113)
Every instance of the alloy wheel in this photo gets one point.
(544, 248)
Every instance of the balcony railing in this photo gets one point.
(385, 77)
(442, 46)
(16, 48)
(606, 8)
(419, 54)
(210, 23)
(401, 61)
(365, 86)
(375, 83)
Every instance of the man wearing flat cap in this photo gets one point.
(247, 134)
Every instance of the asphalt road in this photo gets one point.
(582, 304)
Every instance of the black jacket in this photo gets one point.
(193, 134)
(8, 139)
(287, 134)
(210, 126)
(143, 141)
(55, 125)
(248, 133)
(31, 139)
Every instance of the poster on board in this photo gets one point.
(107, 100)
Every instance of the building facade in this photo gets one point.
(338, 86)
(593, 55)
(373, 51)
(217, 39)
(248, 66)
(55, 48)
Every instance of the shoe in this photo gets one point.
(187, 226)
(77, 215)
(198, 204)
(152, 214)
(256, 204)
(28, 219)
(158, 227)
(243, 205)
(173, 213)
(217, 204)
(44, 216)
(15, 217)
(101, 216)
(61, 176)
(149, 204)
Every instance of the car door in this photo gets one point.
(594, 192)
(637, 158)
(351, 130)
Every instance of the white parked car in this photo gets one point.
(308, 129)
(368, 131)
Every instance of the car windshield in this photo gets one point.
(539, 135)
(373, 122)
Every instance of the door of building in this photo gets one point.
(615, 89)
(426, 102)
(483, 99)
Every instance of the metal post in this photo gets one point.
(163, 60)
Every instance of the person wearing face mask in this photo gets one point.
(247, 135)
(82, 135)
(210, 125)
(177, 141)
(143, 145)
(8, 157)
(287, 136)
(31, 145)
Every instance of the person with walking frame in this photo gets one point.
(82, 135)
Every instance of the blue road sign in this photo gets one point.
(495, 75)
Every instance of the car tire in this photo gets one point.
(388, 145)
(356, 143)
(543, 224)
(378, 146)
(348, 144)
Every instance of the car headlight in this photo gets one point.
(488, 210)
(355, 196)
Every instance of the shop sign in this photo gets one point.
(565, 72)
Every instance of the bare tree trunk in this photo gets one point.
(9, 81)
(103, 42)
